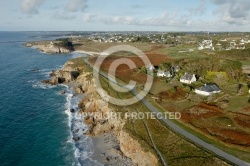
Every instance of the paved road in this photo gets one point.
(183, 132)
(195, 139)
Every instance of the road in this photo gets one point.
(181, 131)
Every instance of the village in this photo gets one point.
(212, 42)
(190, 79)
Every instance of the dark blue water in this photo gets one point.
(34, 128)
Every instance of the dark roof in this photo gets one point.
(174, 68)
(187, 76)
(209, 88)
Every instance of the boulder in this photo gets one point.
(76, 139)
(46, 81)
(76, 131)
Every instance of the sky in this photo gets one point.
(129, 15)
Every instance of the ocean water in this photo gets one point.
(35, 122)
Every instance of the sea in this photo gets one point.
(36, 125)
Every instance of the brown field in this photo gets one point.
(199, 112)
(213, 121)
(179, 94)
(123, 71)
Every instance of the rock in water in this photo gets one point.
(72, 110)
(76, 131)
(35, 69)
(76, 139)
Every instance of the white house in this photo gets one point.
(188, 78)
(207, 89)
(150, 67)
(206, 44)
(223, 40)
(240, 47)
(161, 73)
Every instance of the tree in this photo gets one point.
(165, 65)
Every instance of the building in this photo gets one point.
(206, 44)
(207, 89)
(161, 73)
(188, 78)
(150, 67)
(175, 69)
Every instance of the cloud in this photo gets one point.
(76, 5)
(31, 6)
(233, 12)
(163, 19)
(136, 6)
(198, 10)
(107, 19)
(219, 2)
(63, 16)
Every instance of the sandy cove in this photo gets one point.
(113, 146)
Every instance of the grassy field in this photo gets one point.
(239, 152)
(99, 47)
(175, 51)
(175, 149)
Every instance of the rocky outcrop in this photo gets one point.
(98, 116)
(61, 76)
(132, 149)
(65, 75)
(48, 48)
(100, 121)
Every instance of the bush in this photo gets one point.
(66, 43)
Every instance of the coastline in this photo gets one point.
(111, 145)
(99, 149)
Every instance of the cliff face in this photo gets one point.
(48, 48)
(133, 150)
(97, 115)
(67, 74)
(101, 122)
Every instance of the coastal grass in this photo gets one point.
(237, 103)
(92, 46)
(161, 134)
(235, 151)
(175, 149)
(176, 52)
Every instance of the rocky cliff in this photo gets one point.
(48, 48)
(98, 112)
(101, 122)
(67, 74)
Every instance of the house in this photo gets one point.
(207, 89)
(240, 47)
(162, 73)
(175, 69)
(206, 44)
(188, 78)
(150, 67)
(223, 40)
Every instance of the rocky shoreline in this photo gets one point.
(48, 47)
(113, 146)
